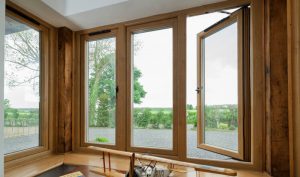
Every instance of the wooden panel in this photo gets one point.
(294, 84)
(36, 167)
(65, 61)
(277, 144)
(182, 141)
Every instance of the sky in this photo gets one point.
(23, 96)
(154, 59)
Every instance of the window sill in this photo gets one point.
(42, 165)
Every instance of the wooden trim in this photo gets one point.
(293, 12)
(235, 18)
(146, 28)
(181, 77)
(246, 85)
(186, 12)
(36, 18)
(122, 81)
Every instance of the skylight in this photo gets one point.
(71, 7)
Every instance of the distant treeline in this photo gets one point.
(21, 117)
(216, 117)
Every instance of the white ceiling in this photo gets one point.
(78, 14)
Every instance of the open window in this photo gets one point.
(223, 86)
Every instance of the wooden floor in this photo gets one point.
(42, 165)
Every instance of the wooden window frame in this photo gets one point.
(257, 81)
(141, 28)
(243, 83)
(44, 91)
(84, 80)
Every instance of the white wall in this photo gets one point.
(2, 29)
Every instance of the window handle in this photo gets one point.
(198, 90)
(117, 91)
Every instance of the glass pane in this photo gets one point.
(221, 88)
(101, 123)
(21, 87)
(153, 89)
(196, 24)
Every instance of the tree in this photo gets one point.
(22, 54)
(139, 91)
(102, 85)
(6, 108)
(189, 107)
(155, 120)
(140, 120)
(15, 113)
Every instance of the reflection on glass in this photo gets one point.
(221, 88)
(153, 89)
(196, 24)
(101, 121)
(21, 87)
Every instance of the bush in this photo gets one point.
(223, 126)
(195, 123)
(191, 117)
(154, 121)
(141, 119)
(232, 128)
(168, 120)
(165, 119)
(102, 140)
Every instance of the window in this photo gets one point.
(222, 84)
(101, 91)
(152, 123)
(100, 119)
(25, 115)
(213, 121)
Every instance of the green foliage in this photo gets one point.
(219, 116)
(150, 118)
(6, 103)
(21, 117)
(167, 120)
(155, 120)
(102, 140)
(223, 126)
(192, 118)
(189, 107)
(139, 91)
(15, 113)
(102, 85)
(141, 118)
